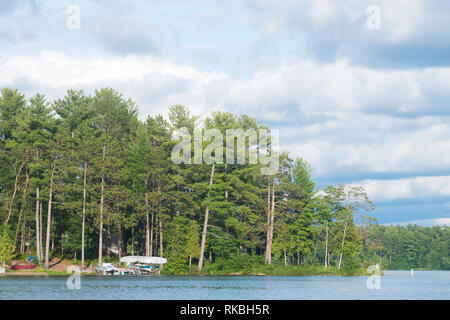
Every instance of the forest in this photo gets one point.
(84, 178)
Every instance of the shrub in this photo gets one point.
(176, 265)
(351, 265)
(6, 248)
(240, 263)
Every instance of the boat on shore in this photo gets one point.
(134, 265)
(23, 267)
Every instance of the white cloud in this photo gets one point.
(357, 133)
(412, 188)
(358, 143)
(154, 83)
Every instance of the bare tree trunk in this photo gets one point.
(161, 251)
(28, 237)
(285, 260)
(147, 227)
(102, 198)
(342, 244)
(53, 238)
(326, 244)
(329, 258)
(16, 182)
(151, 236)
(49, 217)
(132, 241)
(41, 233)
(156, 237)
(268, 225)
(347, 217)
(205, 224)
(21, 208)
(22, 239)
(38, 248)
(108, 241)
(83, 219)
(272, 215)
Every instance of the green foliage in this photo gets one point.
(192, 240)
(240, 263)
(176, 265)
(406, 247)
(147, 198)
(6, 247)
(352, 264)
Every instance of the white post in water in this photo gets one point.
(412, 272)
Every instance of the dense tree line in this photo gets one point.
(83, 177)
(406, 247)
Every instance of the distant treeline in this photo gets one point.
(82, 177)
(406, 247)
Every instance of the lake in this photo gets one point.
(393, 285)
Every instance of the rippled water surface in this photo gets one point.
(393, 285)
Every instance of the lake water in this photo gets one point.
(393, 285)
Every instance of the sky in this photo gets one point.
(360, 89)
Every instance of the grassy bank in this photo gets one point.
(274, 270)
(40, 271)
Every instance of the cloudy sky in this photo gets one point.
(364, 102)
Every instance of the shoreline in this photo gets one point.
(50, 273)
(233, 274)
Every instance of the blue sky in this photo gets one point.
(363, 106)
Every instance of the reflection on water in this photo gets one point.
(394, 285)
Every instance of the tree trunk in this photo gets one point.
(22, 239)
(156, 237)
(268, 245)
(16, 182)
(151, 236)
(28, 237)
(342, 244)
(108, 241)
(272, 215)
(102, 198)
(205, 224)
(132, 241)
(38, 248)
(285, 260)
(326, 244)
(41, 233)
(21, 208)
(83, 219)
(347, 217)
(119, 241)
(49, 217)
(161, 251)
(147, 227)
